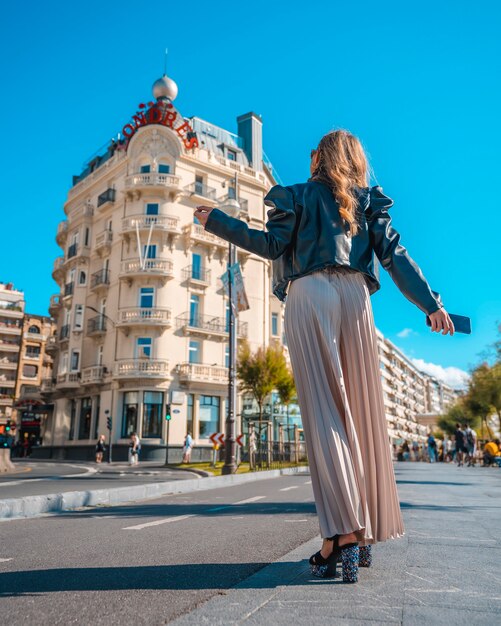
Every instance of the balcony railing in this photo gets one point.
(92, 375)
(167, 223)
(199, 372)
(47, 385)
(244, 204)
(198, 234)
(208, 325)
(69, 380)
(58, 268)
(103, 241)
(152, 267)
(72, 250)
(96, 325)
(8, 364)
(64, 333)
(10, 329)
(108, 196)
(68, 289)
(137, 316)
(9, 346)
(51, 344)
(142, 368)
(198, 275)
(203, 192)
(101, 278)
(62, 232)
(168, 182)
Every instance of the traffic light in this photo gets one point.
(109, 423)
(167, 413)
(8, 427)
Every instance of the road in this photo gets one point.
(152, 561)
(34, 478)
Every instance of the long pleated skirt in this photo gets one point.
(330, 332)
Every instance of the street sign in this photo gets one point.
(217, 438)
(240, 440)
(237, 280)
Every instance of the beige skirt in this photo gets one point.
(331, 336)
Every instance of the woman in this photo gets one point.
(100, 448)
(188, 445)
(134, 449)
(322, 236)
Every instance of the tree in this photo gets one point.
(458, 413)
(287, 391)
(484, 393)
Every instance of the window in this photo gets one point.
(145, 169)
(151, 208)
(86, 236)
(209, 415)
(82, 277)
(73, 415)
(75, 360)
(228, 309)
(146, 297)
(152, 413)
(109, 225)
(100, 354)
(231, 154)
(196, 266)
(129, 421)
(163, 168)
(33, 352)
(150, 252)
(85, 418)
(143, 347)
(189, 418)
(194, 351)
(78, 319)
(63, 363)
(34, 329)
(97, 410)
(199, 184)
(227, 355)
(30, 371)
(274, 323)
(194, 309)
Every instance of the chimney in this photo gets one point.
(250, 130)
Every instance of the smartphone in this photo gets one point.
(462, 324)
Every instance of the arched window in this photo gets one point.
(82, 278)
(34, 329)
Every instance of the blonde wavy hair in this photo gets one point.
(342, 165)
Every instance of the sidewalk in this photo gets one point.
(446, 570)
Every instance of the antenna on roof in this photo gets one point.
(165, 61)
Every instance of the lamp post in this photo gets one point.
(232, 207)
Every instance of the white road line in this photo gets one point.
(5, 560)
(254, 499)
(289, 488)
(21, 482)
(295, 520)
(158, 522)
(308, 482)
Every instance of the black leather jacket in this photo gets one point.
(305, 233)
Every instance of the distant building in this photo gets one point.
(11, 328)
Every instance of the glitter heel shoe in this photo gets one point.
(349, 559)
(365, 556)
(326, 567)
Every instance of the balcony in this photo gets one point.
(93, 375)
(47, 385)
(106, 199)
(8, 364)
(165, 225)
(156, 268)
(244, 204)
(55, 304)
(207, 326)
(96, 326)
(7, 381)
(62, 233)
(196, 276)
(137, 316)
(200, 373)
(100, 280)
(10, 329)
(196, 234)
(75, 252)
(11, 311)
(70, 380)
(165, 184)
(64, 333)
(51, 345)
(103, 242)
(142, 368)
(202, 194)
(9, 346)
(58, 269)
(68, 290)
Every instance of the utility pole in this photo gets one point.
(109, 425)
(168, 416)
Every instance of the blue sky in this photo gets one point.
(418, 84)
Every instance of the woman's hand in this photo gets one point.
(440, 320)
(202, 214)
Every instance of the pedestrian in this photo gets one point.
(432, 448)
(322, 236)
(470, 443)
(492, 453)
(100, 448)
(134, 449)
(460, 447)
(188, 445)
(406, 451)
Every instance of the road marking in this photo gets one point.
(5, 560)
(158, 522)
(308, 482)
(26, 481)
(254, 499)
(295, 520)
(289, 488)
(219, 508)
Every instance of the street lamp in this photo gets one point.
(231, 206)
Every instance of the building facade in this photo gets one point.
(142, 316)
(11, 330)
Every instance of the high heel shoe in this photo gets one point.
(365, 556)
(348, 554)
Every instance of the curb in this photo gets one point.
(33, 506)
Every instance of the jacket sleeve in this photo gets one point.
(394, 257)
(280, 225)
